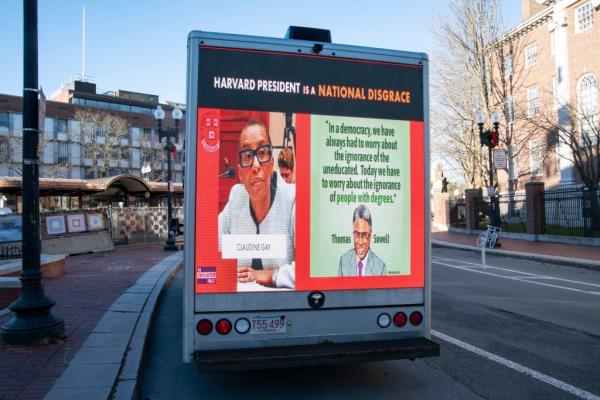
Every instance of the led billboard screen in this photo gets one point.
(309, 173)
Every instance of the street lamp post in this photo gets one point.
(489, 138)
(159, 115)
(32, 320)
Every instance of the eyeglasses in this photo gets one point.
(262, 153)
(361, 235)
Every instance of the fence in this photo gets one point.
(458, 211)
(140, 224)
(482, 212)
(572, 211)
(513, 212)
(9, 250)
(563, 211)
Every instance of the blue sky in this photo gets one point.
(141, 45)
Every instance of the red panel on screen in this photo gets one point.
(212, 273)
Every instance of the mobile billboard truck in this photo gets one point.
(328, 262)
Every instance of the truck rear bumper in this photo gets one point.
(325, 353)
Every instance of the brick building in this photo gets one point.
(62, 154)
(558, 62)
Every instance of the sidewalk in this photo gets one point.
(90, 285)
(564, 254)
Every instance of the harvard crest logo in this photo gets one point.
(210, 131)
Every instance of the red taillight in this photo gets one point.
(416, 318)
(204, 327)
(400, 319)
(223, 326)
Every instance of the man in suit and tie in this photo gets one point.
(361, 261)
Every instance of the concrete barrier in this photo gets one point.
(78, 244)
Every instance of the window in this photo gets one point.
(4, 122)
(4, 150)
(61, 153)
(89, 173)
(113, 172)
(125, 151)
(531, 55)
(587, 99)
(584, 17)
(509, 108)
(508, 66)
(61, 129)
(535, 157)
(533, 101)
(61, 125)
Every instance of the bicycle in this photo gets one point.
(489, 237)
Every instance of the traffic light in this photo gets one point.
(493, 139)
(488, 138)
(484, 138)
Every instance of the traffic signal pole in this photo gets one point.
(490, 139)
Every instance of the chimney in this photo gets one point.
(531, 7)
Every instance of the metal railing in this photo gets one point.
(513, 212)
(140, 224)
(10, 250)
(483, 212)
(458, 211)
(572, 211)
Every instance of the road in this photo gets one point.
(515, 330)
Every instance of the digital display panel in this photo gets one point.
(309, 173)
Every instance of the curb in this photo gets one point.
(108, 363)
(565, 261)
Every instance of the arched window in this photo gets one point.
(587, 99)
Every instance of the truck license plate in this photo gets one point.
(268, 324)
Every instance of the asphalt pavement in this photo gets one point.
(518, 329)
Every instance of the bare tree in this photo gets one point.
(11, 152)
(104, 140)
(475, 68)
(462, 83)
(579, 132)
(152, 154)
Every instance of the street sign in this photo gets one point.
(500, 159)
(146, 169)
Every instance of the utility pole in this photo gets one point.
(32, 320)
